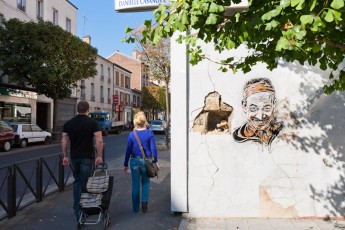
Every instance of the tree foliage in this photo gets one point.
(307, 31)
(153, 97)
(46, 57)
(156, 57)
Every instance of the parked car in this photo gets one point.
(6, 136)
(158, 125)
(30, 133)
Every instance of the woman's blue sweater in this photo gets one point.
(148, 142)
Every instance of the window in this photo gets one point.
(55, 17)
(121, 98)
(138, 101)
(102, 73)
(26, 128)
(128, 99)
(92, 92)
(127, 82)
(68, 25)
(35, 128)
(109, 78)
(102, 94)
(122, 80)
(117, 78)
(82, 89)
(21, 5)
(40, 9)
(109, 98)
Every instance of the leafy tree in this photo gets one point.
(307, 31)
(46, 57)
(153, 97)
(156, 57)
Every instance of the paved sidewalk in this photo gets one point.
(259, 224)
(55, 212)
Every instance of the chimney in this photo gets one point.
(87, 39)
(135, 53)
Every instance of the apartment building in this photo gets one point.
(25, 105)
(123, 95)
(139, 77)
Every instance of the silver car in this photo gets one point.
(158, 126)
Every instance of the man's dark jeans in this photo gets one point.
(82, 170)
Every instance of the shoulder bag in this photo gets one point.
(151, 167)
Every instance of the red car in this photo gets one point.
(6, 136)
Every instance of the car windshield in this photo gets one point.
(98, 117)
(156, 122)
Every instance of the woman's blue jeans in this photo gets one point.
(82, 170)
(138, 171)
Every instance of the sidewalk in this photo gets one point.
(55, 212)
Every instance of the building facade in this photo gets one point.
(140, 75)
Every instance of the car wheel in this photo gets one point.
(7, 146)
(23, 143)
(47, 140)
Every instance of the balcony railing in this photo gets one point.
(92, 98)
(102, 99)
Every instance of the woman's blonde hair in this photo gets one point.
(139, 120)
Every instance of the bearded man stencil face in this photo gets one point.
(259, 104)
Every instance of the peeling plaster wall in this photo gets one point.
(300, 175)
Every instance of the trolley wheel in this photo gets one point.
(106, 219)
(83, 217)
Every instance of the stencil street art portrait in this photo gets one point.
(259, 103)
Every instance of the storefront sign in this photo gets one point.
(138, 5)
(116, 99)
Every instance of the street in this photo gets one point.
(115, 147)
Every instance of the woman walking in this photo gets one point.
(137, 162)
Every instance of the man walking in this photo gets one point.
(81, 131)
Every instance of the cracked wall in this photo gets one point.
(215, 116)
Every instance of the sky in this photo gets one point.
(105, 26)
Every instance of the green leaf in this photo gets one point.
(230, 44)
(329, 16)
(300, 34)
(272, 24)
(184, 18)
(295, 2)
(282, 44)
(337, 16)
(312, 5)
(316, 48)
(285, 3)
(147, 23)
(128, 30)
(337, 4)
(213, 8)
(272, 13)
(307, 19)
(212, 19)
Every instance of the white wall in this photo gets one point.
(300, 175)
